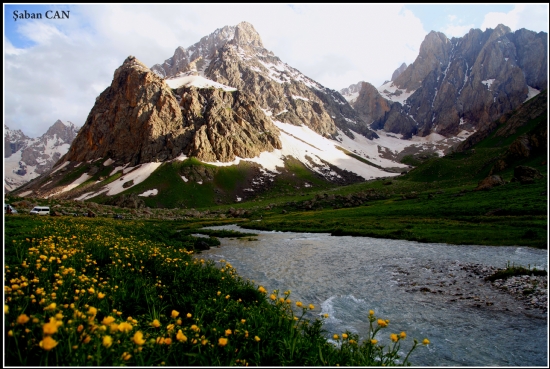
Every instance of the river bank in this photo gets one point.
(429, 290)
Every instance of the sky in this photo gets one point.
(55, 67)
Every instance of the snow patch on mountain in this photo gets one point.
(532, 92)
(351, 98)
(391, 92)
(148, 193)
(196, 81)
(83, 178)
(135, 174)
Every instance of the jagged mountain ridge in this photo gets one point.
(26, 158)
(291, 97)
(195, 56)
(463, 83)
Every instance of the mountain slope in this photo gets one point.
(291, 97)
(464, 83)
(26, 158)
(517, 138)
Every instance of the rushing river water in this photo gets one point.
(347, 276)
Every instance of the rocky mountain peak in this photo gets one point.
(66, 131)
(398, 71)
(246, 35)
(140, 119)
(26, 158)
(433, 56)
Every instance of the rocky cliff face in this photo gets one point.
(465, 82)
(370, 105)
(26, 158)
(140, 119)
(221, 125)
(282, 91)
(136, 119)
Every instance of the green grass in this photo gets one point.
(444, 218)
(74, 175)
(513, 271)
(92, 291)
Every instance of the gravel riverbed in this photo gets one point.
(465, 284)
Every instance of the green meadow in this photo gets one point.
(104, 292)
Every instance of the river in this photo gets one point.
(420, 287)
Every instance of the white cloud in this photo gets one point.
(457, 30)
(532, 16)
(73, 61)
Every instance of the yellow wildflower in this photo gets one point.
(243, 321)
(373, 341)
(107, 341)
(272, 297)
(344, 336)
(256, 338)
(222, 342)
(403, 335)
(394, 337)
(167, 341)
(371, 312)
(382, 323)
(189, 315)
(262, 290)
(138, 338)
(50, 306)
(51, 327)
(6, 309)
(155, 323)
(125, 327)
(175, 314)
(195, 328)
(48, 343)
(100, 295)
(22, 319)
(336, 337)
(311, 307)
(126, 356)
(426, 341)
(299, 303)
(228, 332)
(108, 320)
(92, 311)
(181, 337)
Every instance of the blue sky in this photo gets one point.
(440, 17)
(54, 69)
